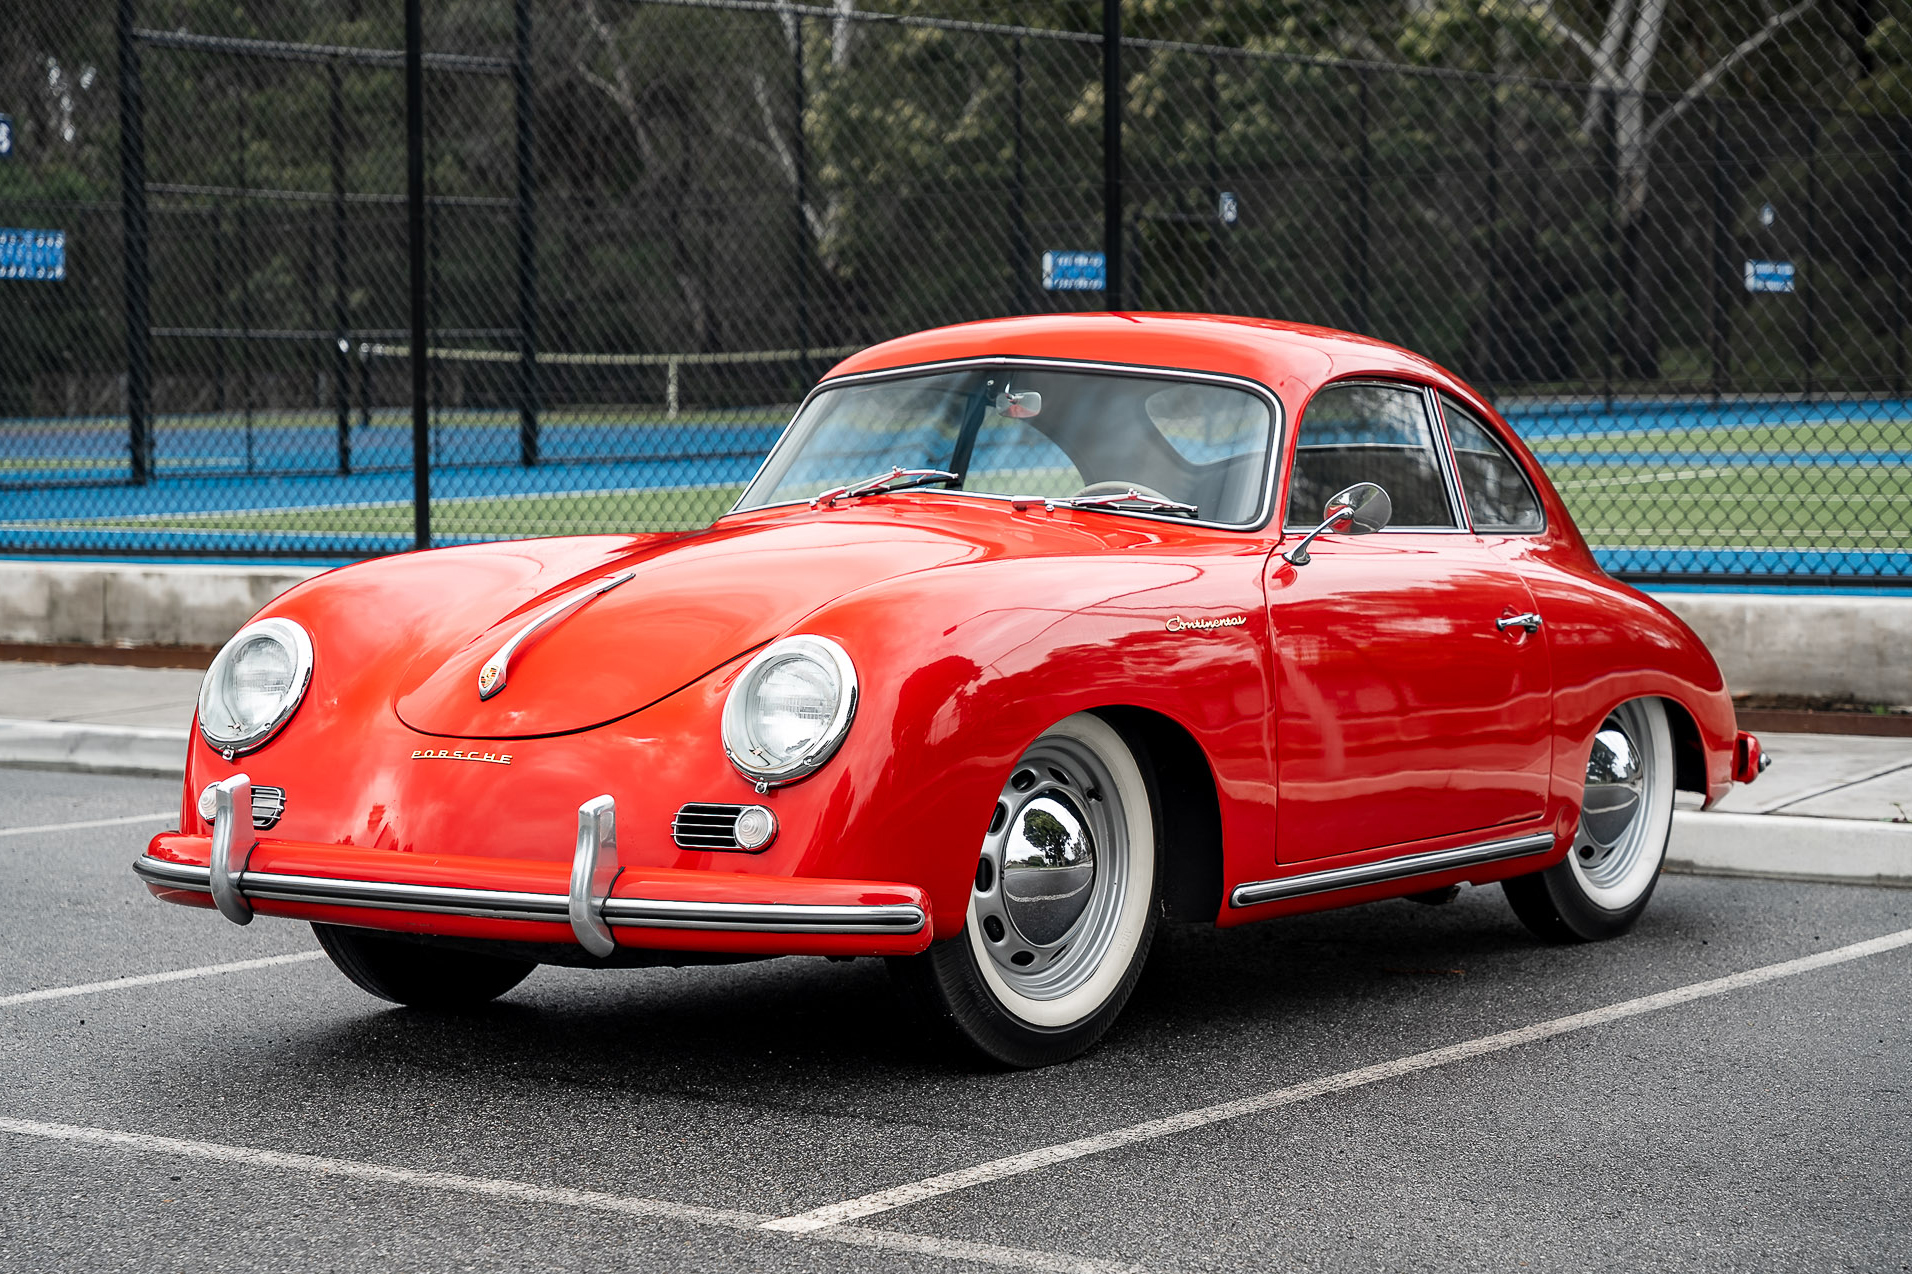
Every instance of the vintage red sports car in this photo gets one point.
(1027, 634)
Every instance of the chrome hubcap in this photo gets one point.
(1615, 778)
(1053, 872)
(1612, 834)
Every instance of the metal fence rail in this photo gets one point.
(641, 228)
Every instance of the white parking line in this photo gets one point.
(555, 1196)
(153, 979)
(1049, 1156)
(91, 822)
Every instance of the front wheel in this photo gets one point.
(418, 975)
(1064, 905)
(1626, 818)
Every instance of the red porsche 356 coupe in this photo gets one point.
(1026, 634)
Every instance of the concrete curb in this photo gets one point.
(1846, 851)
(152, 751)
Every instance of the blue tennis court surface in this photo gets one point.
(1780, 476)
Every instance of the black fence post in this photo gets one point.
(1610, 159)
(245, 280)
(365, 384)
(1809, 334)
(527, 243)
(1721, 332)
(1359, 282)
(221, 319)
(137, 267)
(415, 231)
(1902, 244)
(341, 336)
(1112, 221)
(1217, 228)
(315, 315)
(1018, 215)
(801, 161)
(1490, 363)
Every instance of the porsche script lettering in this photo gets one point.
(493, 758)
(1176, 624)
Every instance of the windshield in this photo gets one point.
(1009, 431)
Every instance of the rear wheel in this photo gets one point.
(1064, 904)
(1626, 817)
(418, 975)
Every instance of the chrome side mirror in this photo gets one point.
(1359, 510)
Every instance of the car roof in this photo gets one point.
(1293, 359)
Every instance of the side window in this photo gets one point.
(1369, 433)
(1499, 497)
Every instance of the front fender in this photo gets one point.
(961, 668)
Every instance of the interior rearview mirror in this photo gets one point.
(1019, 406)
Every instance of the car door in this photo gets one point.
(1408, 706)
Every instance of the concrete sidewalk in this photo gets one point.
(1832, 807)
(96, 718)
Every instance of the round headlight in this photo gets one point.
(790, 709)
(253, 686)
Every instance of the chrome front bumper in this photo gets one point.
(497, 904)
(588, 909)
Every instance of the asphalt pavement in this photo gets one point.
(1735, 1111)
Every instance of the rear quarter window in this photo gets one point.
(1499, 497)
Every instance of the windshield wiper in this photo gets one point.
(1116, 502)
(897, 479)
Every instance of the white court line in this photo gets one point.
(153, 979)
(554, 1196)
(1049, 1156)
(91, 822)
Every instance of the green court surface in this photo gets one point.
(500, 517)
(1701, 504)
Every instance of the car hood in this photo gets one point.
(691, 605)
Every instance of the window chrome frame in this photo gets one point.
(1443, 457)
(1277, 427)
(1525, 475)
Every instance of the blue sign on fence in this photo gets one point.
(32, 254)
(1769, 276)
(6, 137)
(1075, 271)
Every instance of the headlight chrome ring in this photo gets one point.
(235, 719)
(789, 710)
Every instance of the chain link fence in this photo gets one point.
(1669, 240)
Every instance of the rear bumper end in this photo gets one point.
(541, 901)
(1749, 759)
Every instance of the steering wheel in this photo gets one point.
(1120, 488)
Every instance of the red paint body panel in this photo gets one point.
(1366, 707)
(1404, 714)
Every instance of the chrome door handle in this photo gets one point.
(1529, 621)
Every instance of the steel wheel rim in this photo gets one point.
(1046, 930)
(1613, 843)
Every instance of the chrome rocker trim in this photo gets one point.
(496, 904)
(1320, 882)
